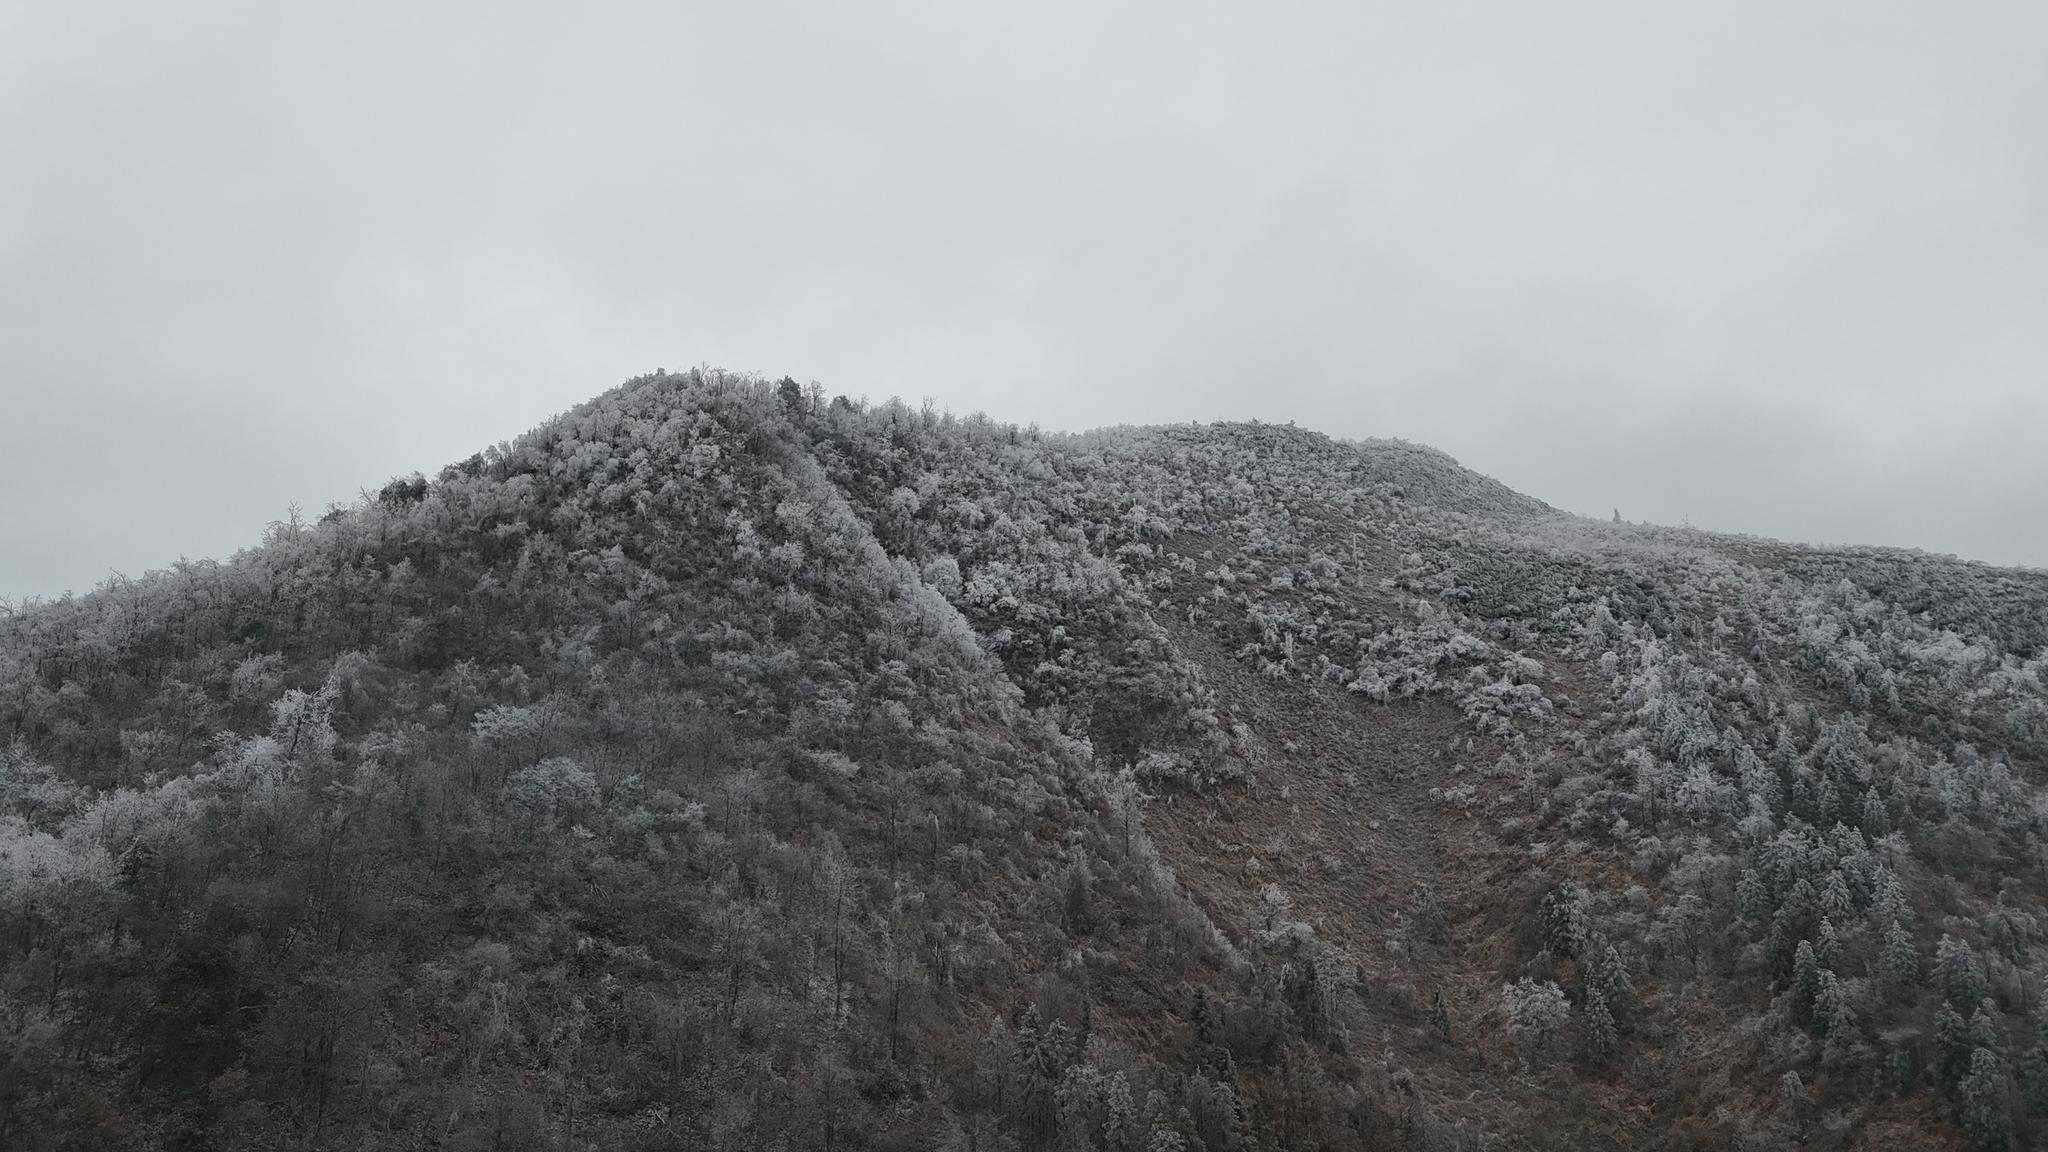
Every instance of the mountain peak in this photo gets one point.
(722, 765)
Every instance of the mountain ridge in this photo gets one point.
(723, 765)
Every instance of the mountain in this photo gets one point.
(720, 766)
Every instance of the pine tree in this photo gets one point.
(996, 1062)
(1958, 973)
(1221, 1066)
(1229, 1098)
(791, 394)
(2034, 1071)
(1035, 1070)
(1798, 909)
(1563, 913)
(1981, 1106)
(1834, 1016)
(1827, 801)
(1888, 897)
(1055, 1049)
(1596, 1025)
(1951, 1047)
(1077, 1097)
(1984, 1029)
(2010, 929)
(1752, 896)
(1835, 901)
(1537, 1012)
(1898, 962)
(1806, 971)
(1827, 947)
(1902, 1068)
(1759, 781)
(1439, 1016)
(1166, 1140)
(1780, 944)
(1202, 1016)
(1606, 977)
(1119, 1115)
(2034, 1064)
(1793, 1095)
(1305, 990)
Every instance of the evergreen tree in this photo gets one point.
(1752, 896)
(1166, 1140)
(1985, 1031)
(1799, 908)
(1827, 947)
(2033, 1066)
(1596, 1024)
(1982, 1107)
(1958, 974)
(1077, 1097)
(1563, 913)
(1758, 781)
(1537, 1014)
(1035, 1068)
(1834, 1017)
(1835, 901)
(1229, 1119)
(995, 1064)
(1305, 989)
(1806, 972)
(1952, 1047)
(1898, 962)
(1902, 1067)
(2034, 1078)
(2010, 929)
(1119, 1115)
(1606, 978)
(1202, 1018)
(1792, 1094)
(1888, 897)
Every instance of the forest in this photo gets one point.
(725, 765)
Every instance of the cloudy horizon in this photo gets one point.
(1769, 269)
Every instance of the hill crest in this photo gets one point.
(723, 765)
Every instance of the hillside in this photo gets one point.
(720, 766)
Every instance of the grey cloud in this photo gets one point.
(1773, 268)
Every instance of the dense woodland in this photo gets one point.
(723, 766)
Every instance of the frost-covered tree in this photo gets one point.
(1806, 982)
(1537, 1016)
(1959, 974)
(2033, 1064)
(1981, 1104)
(1564, 917)
(1952, 1046)
(1898, 960)
(1834, 1017)
(556, 790)
(1606, 979)
(1166, 1140)
(1596, 1025)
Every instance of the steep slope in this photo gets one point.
(719, 766)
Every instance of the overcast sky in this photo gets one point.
(1778, 268)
